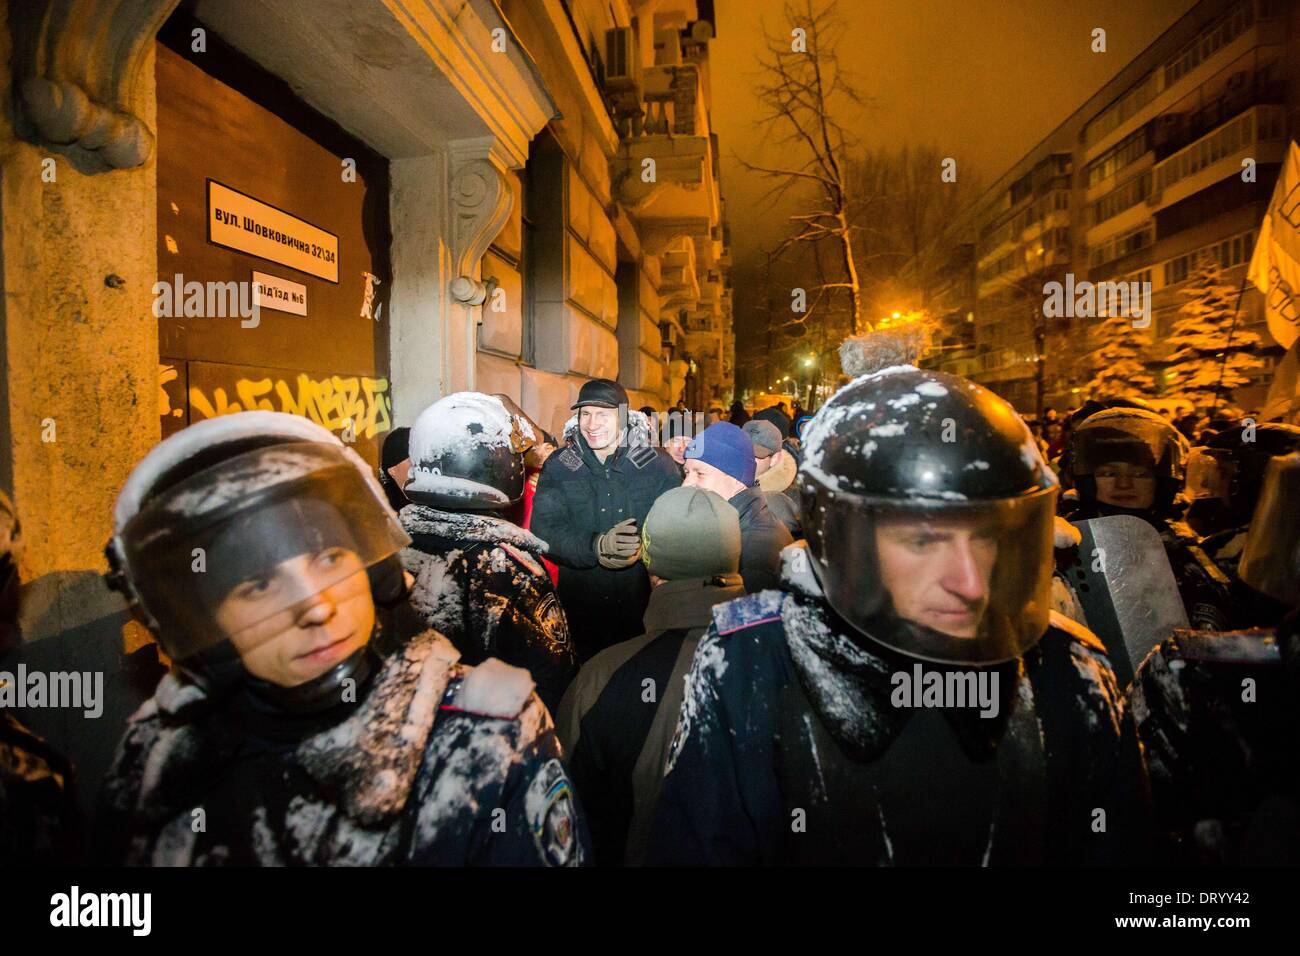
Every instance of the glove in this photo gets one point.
(620, 546)
(1065, 535)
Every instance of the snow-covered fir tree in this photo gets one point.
(1119, 364)
(1199, 338)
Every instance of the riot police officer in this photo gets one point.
(909, 697)
(1217, 712)
(308, 720)
(479, 578)
(1129, 461)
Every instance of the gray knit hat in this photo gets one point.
(765, 436)
(691, 533)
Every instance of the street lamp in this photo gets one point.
(807, 363)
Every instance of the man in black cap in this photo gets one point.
(591, 499)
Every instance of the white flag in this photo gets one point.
(1275, 264)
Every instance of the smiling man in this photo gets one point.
(311, 718)
(592, 498)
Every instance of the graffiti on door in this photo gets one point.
(339, 403)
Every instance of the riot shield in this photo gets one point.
(1127, 589)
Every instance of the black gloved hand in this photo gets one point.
(620, 546)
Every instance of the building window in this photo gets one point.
(544, 186)
(1235, 136)
(1230, 252)
(1128, 151)
(1122, 246)
(1212, 39)
(1122, 109)
(1122, 197)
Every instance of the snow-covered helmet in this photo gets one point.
(1135, 436)
(909, 449)
(467, 454)
(220, 503)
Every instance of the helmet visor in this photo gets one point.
(1131, 440)
(952, 583)
(240, 550)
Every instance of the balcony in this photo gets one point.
(679, 286)
(1259, 134)
(675, 192)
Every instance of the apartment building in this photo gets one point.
(501, 195)
(1134, 186)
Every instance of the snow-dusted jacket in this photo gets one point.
(436, 764)
(578, 497)
(789, 750)
(479, 581)
(1217, 714)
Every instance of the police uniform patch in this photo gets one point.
(550, 618)
(524, 558)
(548, 807)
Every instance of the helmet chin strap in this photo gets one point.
(320, 693)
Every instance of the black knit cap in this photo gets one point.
(601, 392)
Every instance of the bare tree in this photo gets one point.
(800, 87)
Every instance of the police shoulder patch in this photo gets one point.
(549, 809)
(1076, 630)
(523, 558)
(492, 689)
(748, 611)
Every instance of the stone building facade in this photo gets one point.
(536, 203)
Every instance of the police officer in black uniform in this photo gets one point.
(1129, 461)
(1224, 478)
(1217, 712)
(909, 698)
(308, 721)
(479, 578)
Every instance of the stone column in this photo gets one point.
(79, 342)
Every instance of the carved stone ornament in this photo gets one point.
(481, 200)
(77, 64)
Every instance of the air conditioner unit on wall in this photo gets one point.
(622, 67)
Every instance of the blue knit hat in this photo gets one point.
(726, 448)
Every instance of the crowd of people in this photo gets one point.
(862, 636)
